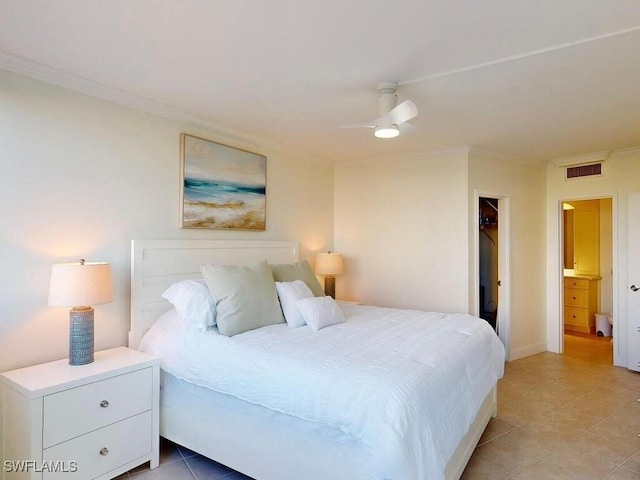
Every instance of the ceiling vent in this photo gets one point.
(584, 170)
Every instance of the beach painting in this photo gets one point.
(223, 188)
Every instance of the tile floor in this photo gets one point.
(570, 417)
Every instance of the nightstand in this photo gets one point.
(93, 421)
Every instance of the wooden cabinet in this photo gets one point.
(580, 303)
(586, 237)
(93, 421)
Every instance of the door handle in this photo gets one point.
(634, 288)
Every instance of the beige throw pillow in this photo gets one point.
(245, 297)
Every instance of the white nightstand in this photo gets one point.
(92, 421)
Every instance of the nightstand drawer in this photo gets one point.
(576, 298)
(79, 410)
(103, 450)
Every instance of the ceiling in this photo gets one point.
(535, 79)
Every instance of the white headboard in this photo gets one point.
(156, 264)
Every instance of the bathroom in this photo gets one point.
(588, 277)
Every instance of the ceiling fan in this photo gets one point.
(393, 118)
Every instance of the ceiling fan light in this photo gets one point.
(389, 131)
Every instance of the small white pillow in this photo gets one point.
(320, 312)
(193, 302)
(289, 293)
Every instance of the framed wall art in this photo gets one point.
(222, 187)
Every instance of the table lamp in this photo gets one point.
(80, 285)
(329, 265)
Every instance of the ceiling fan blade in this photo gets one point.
(407, 128)
(403, 112)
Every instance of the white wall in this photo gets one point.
(402, 226)
(81, 177)
(621, 175)
(524, 187)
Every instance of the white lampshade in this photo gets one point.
(80, 284)
(329, 263)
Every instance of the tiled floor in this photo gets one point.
(570, 417)
(179, 463)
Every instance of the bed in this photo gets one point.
(329, 426)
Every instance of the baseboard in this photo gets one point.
(527, 350)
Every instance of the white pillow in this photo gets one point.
(289, 293)
(320, 312)
(193, 302)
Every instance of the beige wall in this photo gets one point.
(402, 226)
(408, 236)
(621, 176)
(523, 186)
(81, 177)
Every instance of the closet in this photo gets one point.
(488, 256)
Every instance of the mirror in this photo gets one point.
(569, 227)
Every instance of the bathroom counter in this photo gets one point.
(583, 277)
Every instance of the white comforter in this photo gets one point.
(406, 384)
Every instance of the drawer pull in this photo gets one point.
(104, 403)
(104, 451)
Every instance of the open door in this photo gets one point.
(493, 234)
(633, 287)
(488, 242)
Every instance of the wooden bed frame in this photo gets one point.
(156, 264)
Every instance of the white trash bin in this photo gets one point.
(603, 327)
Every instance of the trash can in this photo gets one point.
(603, 327)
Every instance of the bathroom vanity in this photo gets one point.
(580, 303)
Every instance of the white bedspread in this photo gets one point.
(406, 384)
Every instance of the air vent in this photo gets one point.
(584, 170)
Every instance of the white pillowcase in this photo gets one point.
(289, 293)
(193, 302)
(320, 312)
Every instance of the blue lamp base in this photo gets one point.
(80, 335)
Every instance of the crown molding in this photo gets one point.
(76, 83)
(477, 151)
(626, 151)
(381, 160)
(469, 150)
(594, 157)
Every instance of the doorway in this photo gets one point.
(587, 280)
(488, 243)
(492, 220)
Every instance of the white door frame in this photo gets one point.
(555, 302)
(504, 264)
